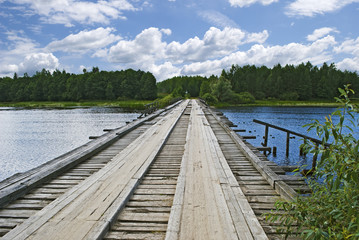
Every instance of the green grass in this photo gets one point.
(131, 104)
(139, 104)
(312, 103)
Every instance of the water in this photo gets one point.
(291, 118)
(29, 138)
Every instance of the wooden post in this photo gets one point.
(266, 137)
(274, 151)
(287, 147)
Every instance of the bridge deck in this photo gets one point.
(185, 176)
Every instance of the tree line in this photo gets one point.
(94, 85)
(301, 82)
(239, 84)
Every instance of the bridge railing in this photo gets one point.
(154, 106)
(317, 142)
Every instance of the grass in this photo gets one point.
(139, 104)
(283, 103)
(131, 104)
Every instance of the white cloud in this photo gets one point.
(321, 32)
(246, 3)
(164, 71)
(37, 61)
(24, 55)
(218, 49)
(217, 19)
(351, 64)
(148, 49)
(350, 46)
(311, 8)
(68, 11)
(85, 41)
(293, 53)
(147, 46)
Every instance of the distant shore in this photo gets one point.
(283, 103)
(139, 104)
(129, 104)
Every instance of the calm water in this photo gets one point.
(291, 118)
(29, 138)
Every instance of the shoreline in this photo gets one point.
(129, 104)
(278, 103)
(139, 104)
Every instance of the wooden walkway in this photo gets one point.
(180, 173)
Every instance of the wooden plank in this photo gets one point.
(141, 217)
(14, 213)
(135, 236)
(20, 184)
(86, 210)
(266, 172)
(206, 199)
(149, 204)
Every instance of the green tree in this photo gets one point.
(222, 90)
(148, 86)
(205, 88)
(109, 92)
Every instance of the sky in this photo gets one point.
(175, 37)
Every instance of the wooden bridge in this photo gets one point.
(179, 173)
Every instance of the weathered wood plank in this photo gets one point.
(208, 201)
(20, 184)
(86, 210)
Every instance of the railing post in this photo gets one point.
(287, 147)
(266, 137)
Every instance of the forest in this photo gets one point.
(239, 84)
(242, 84)
(94, 85)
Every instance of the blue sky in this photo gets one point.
(175, 37)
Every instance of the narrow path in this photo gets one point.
(85, 211)
(182, 175)
(146, 214)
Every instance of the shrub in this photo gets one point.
(332, 210)
(209, 98)
(292, 96)
(243, 97)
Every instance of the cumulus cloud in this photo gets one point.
(24, 55)
(321, 32)
(246, 3)
(37, 61)
(350, 46)
(85, 41)
(216, 50)
(293, 53)
(69, 11)
(148, 46)
(30, 64)
(311, 8)
(351, 64)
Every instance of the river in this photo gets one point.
(31, 137)
(291, 118)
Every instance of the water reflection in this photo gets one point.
(291, 118)
(29, 138)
